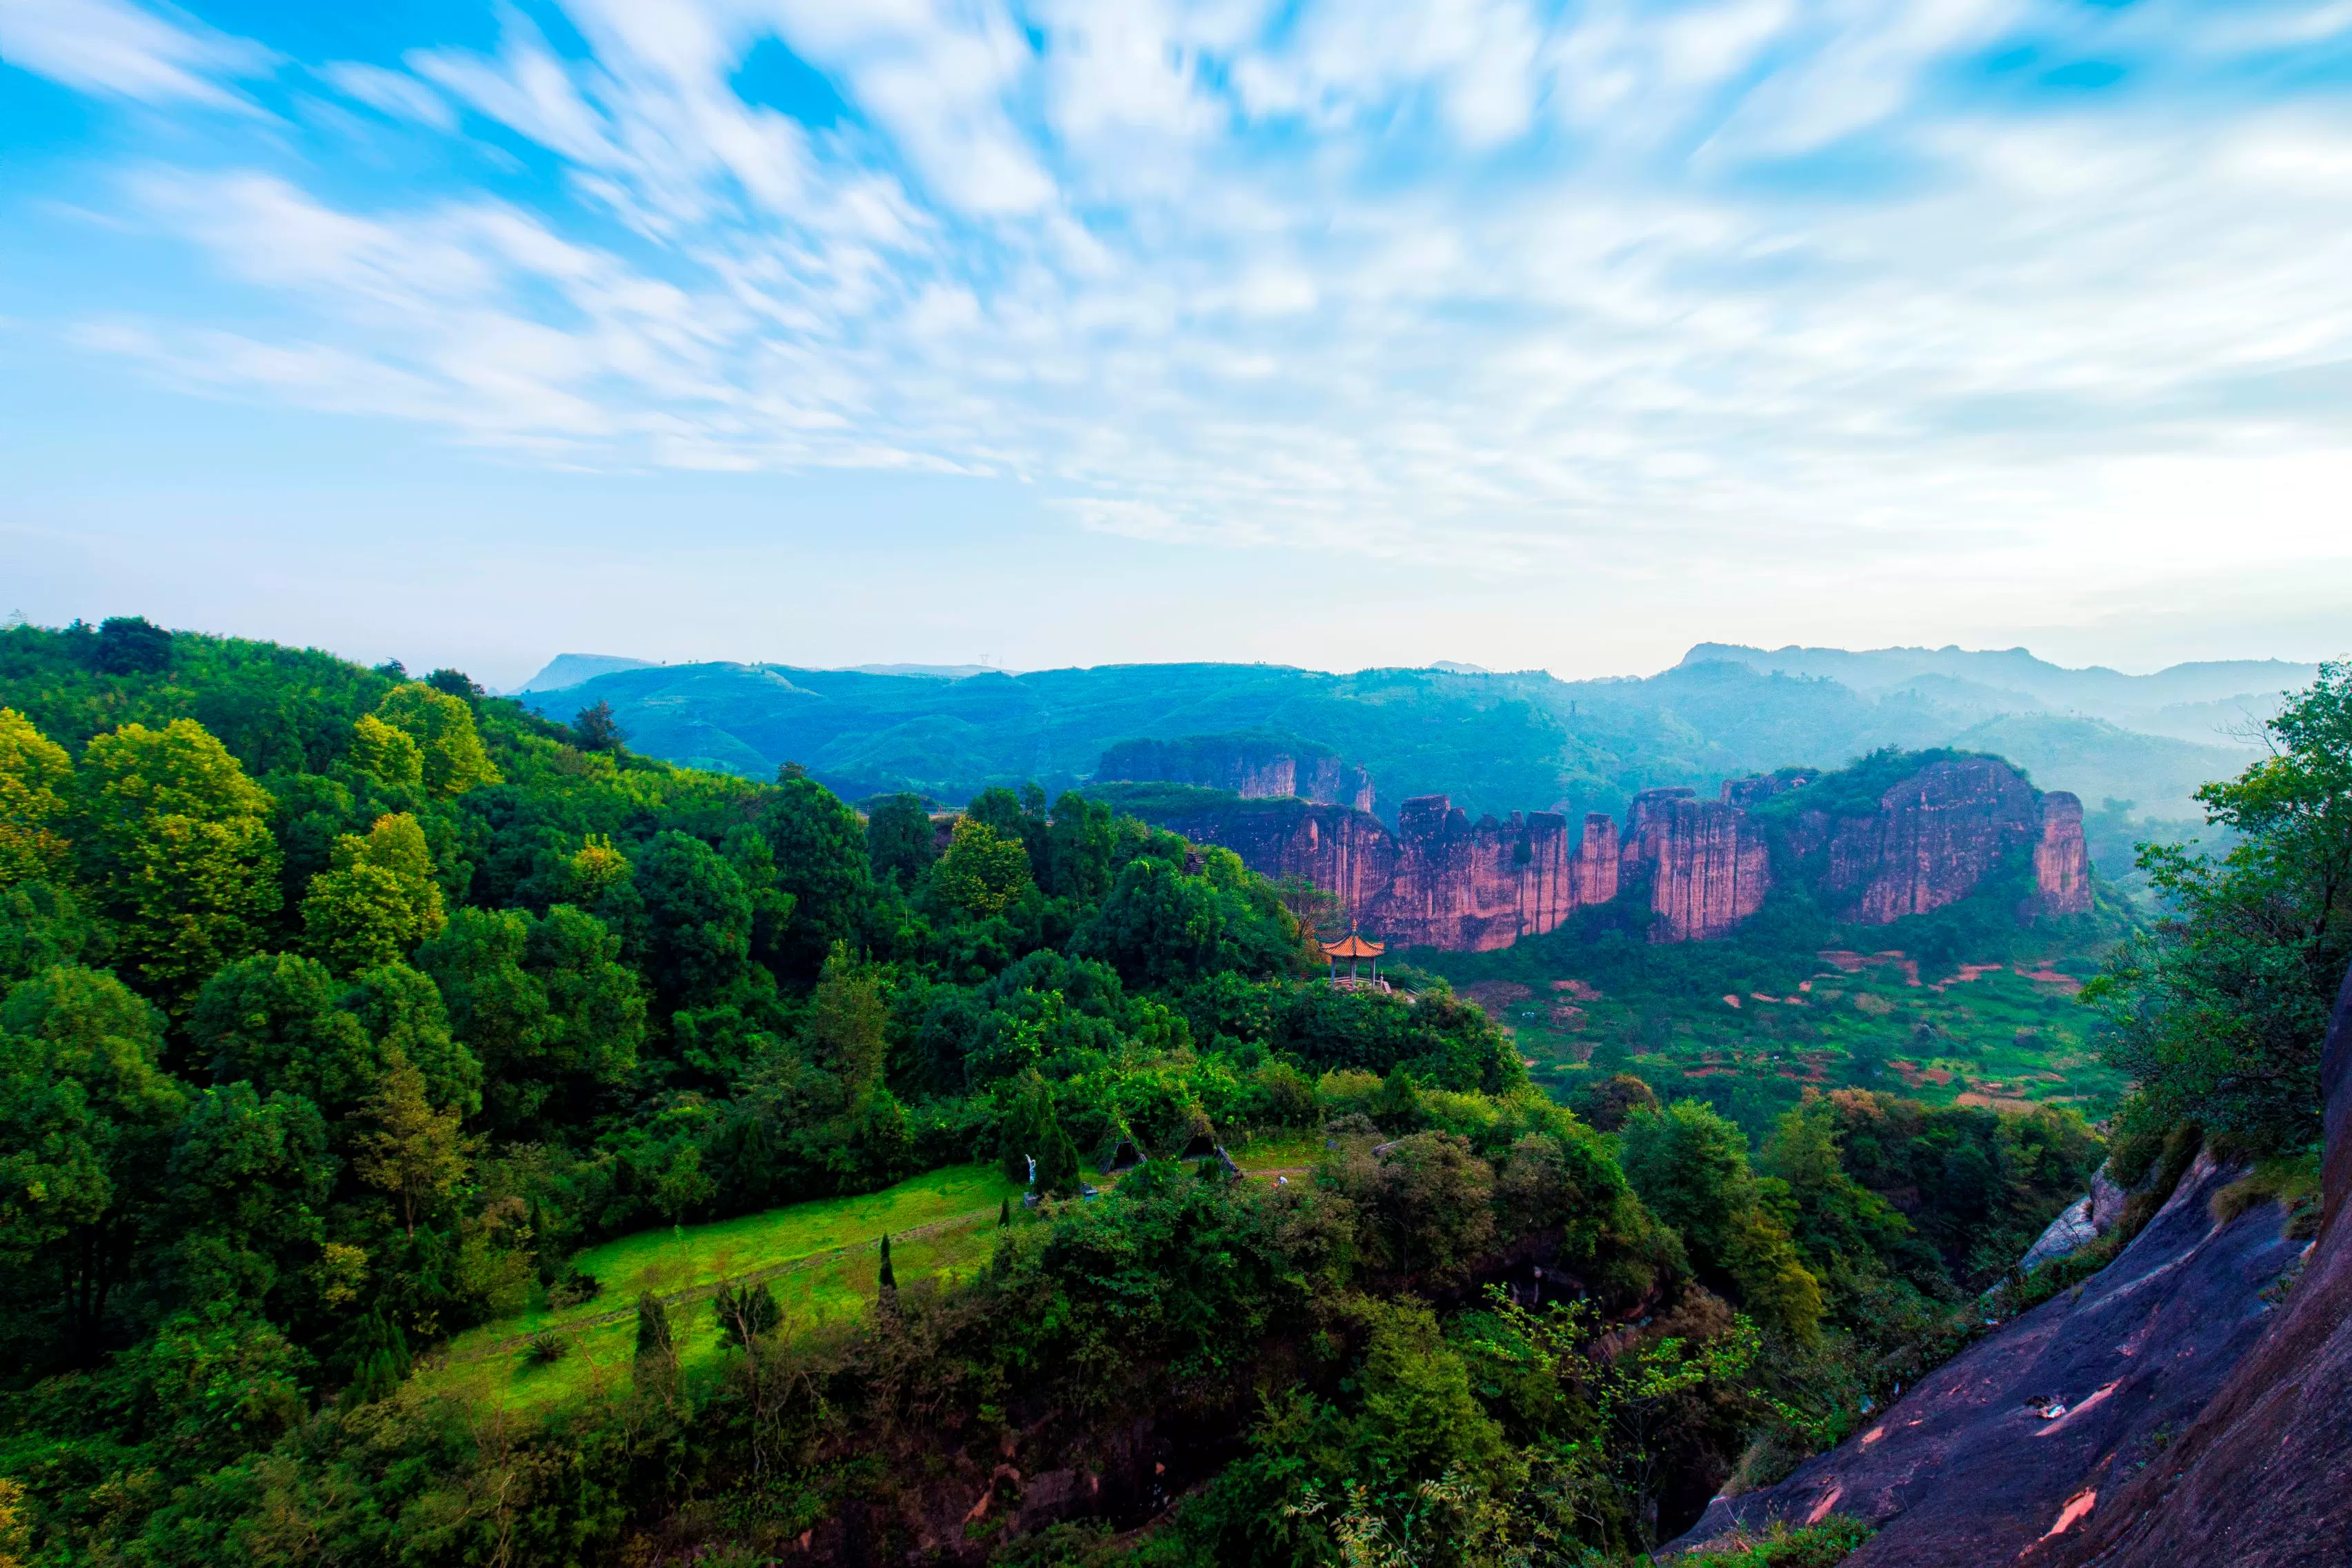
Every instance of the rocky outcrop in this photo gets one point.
(1472, 886)
(1710, 864)
(2062, 864)
(2262, 1476)
(2008, 1446)
(1256, 767)
(1934, 835)
(1932, 839)
(1440, 880)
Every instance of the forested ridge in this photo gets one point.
(343, 1010)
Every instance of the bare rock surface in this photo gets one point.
(2008, 1446)
(2262, 1477)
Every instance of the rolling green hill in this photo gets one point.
(1495, 742)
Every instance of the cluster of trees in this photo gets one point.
(2220, 1009)
(341, 1009)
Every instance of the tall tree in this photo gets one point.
(846, 1022)
(35, 777)
(821, 862)
(443, 728)
(899, 840)
(698, 917)
(2218, 1013)
(86, 1118)
(178, 840)
(377, 900)
(387, 755)
(413, 1151)
(983, 872)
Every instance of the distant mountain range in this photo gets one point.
(1495, 742)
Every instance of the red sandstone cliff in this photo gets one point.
(1476, 886)
(1440, 881)
(2062, 865)
(1253, 765)
(1934, 837)
(1709, 866)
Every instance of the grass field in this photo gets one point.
(2007, 1036)
(820, 1257)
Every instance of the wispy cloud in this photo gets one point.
(1773, 284)
(114, 48)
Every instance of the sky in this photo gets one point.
(957, 331)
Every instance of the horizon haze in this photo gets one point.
(1027, 335)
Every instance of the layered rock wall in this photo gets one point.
(1254, 767)
(2061, 863)
(1473, 886)
(1934, 837)
(1441, 879)
(1710, 866)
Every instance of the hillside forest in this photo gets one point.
(352, 1016)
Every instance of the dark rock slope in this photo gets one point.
(1967, 1471)
(2262, 1477)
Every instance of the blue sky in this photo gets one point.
(1061, 333)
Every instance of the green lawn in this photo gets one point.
(820, 1257)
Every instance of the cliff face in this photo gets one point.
(1934, 836)
(1441, 880)
(1709, 866)
(1474, 886)
(1254, 767)
(2062, 865)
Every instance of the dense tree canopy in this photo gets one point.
(342, 1011)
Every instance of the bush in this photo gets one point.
(546, 1348)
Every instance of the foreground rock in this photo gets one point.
(2262, 1477)
(1972, 1467)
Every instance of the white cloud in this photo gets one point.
(113, 46)
(1439, 285)
(395, 93)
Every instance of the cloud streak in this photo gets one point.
(1762, 286)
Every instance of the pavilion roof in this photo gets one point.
(1353, 946)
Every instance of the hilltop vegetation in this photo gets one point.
(348, 1014)
(1495, 743)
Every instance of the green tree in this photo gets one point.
(1082, 844)
(698, 917)
(377, 900)
(131, 645)
(546, 1005)
(249, 1181)
(848, 1019)
(593, 729)
(746, 1312)
(982, 872)
(412, 1151)
(899, 840)
(1031, 1128)
(656, 1356)
(35, 780)
(177, 841)
(1690, 1167)
(443, 729)
(683, 1188)
(2218, 1014)
(821, 862)
(86, 1119)
(387, 755)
